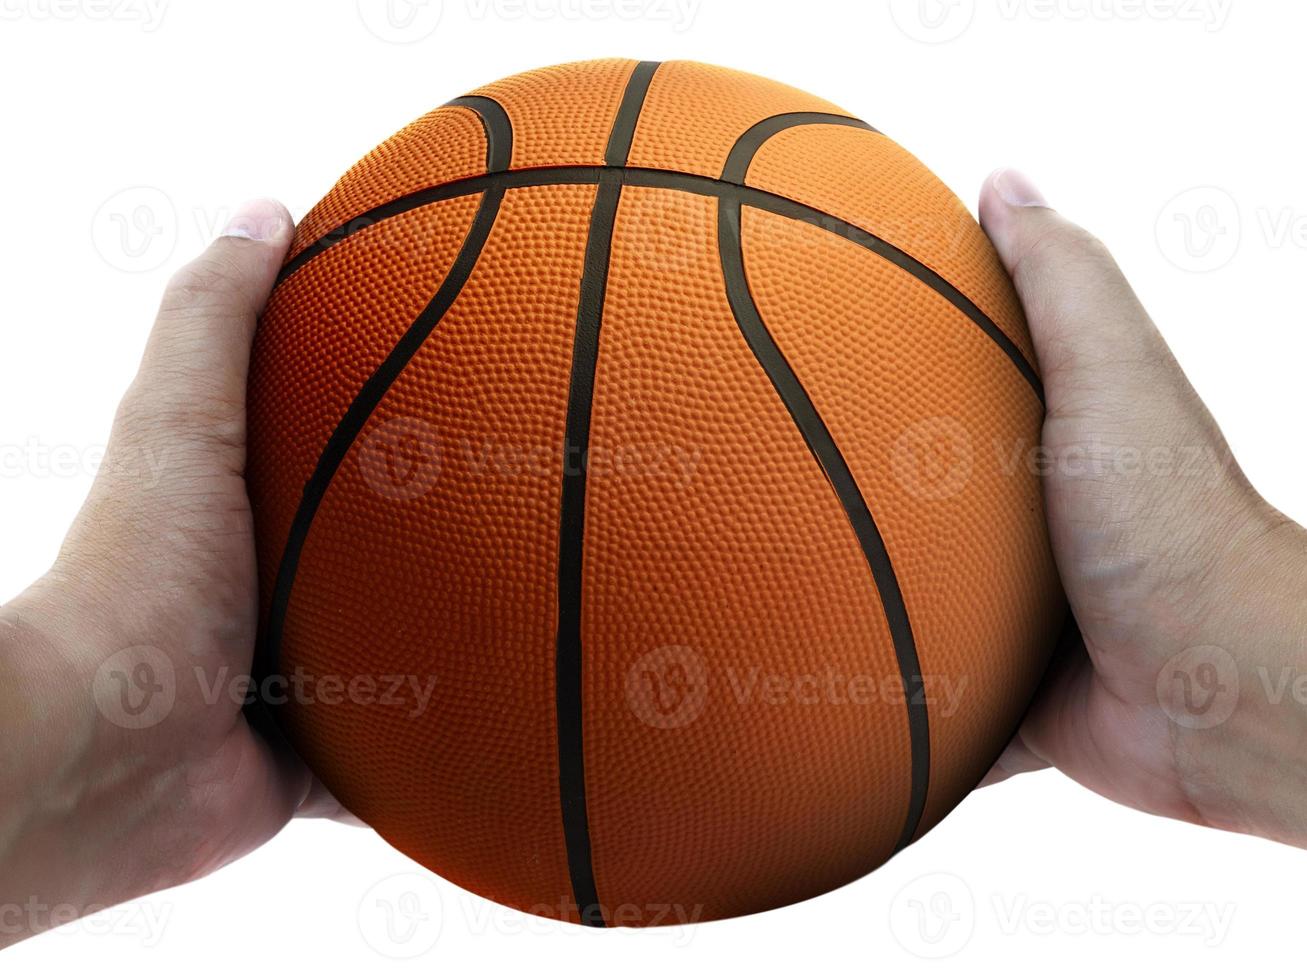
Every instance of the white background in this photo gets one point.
(1138, 117)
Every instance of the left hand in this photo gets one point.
(127, 764)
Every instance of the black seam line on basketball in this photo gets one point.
(693, 184)
(748, 145)
(498, 130)
(828, 456)
(736, 171)
(569, 654)
(568, 676)
(628, 114)
(822, 445)
(358, 413)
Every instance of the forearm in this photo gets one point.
(76, 798)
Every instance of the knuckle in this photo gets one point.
(1060, 250)
(210, 282)
(147, 412)
(1073, 245)
(1088, 248)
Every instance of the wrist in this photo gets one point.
(48, 729)
(1239, 712)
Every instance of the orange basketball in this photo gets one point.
(640, 461)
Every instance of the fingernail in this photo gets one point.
(1018, 190)
(259, 220)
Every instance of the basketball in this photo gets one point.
(641, 463)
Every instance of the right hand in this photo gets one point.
(1176, 694)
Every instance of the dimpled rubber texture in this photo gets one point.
(870, 181)
(606, 509)
(943, 459)
(322, 334)
(759, 588)
(444, 145)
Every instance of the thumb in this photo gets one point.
(1090, 332)
(173, 467)
(191, 381)
(1111, 383)
(1136, 467)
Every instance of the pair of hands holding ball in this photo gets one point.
(1197, 577)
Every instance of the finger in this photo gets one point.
(1034, 747)
(1015, 760)
(1099, 352)
(1090, 332)
(260, 789)
(314, 799)
(318, 803)
(194, 368)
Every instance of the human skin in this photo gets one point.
(1183, 586)
(1183, 581)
